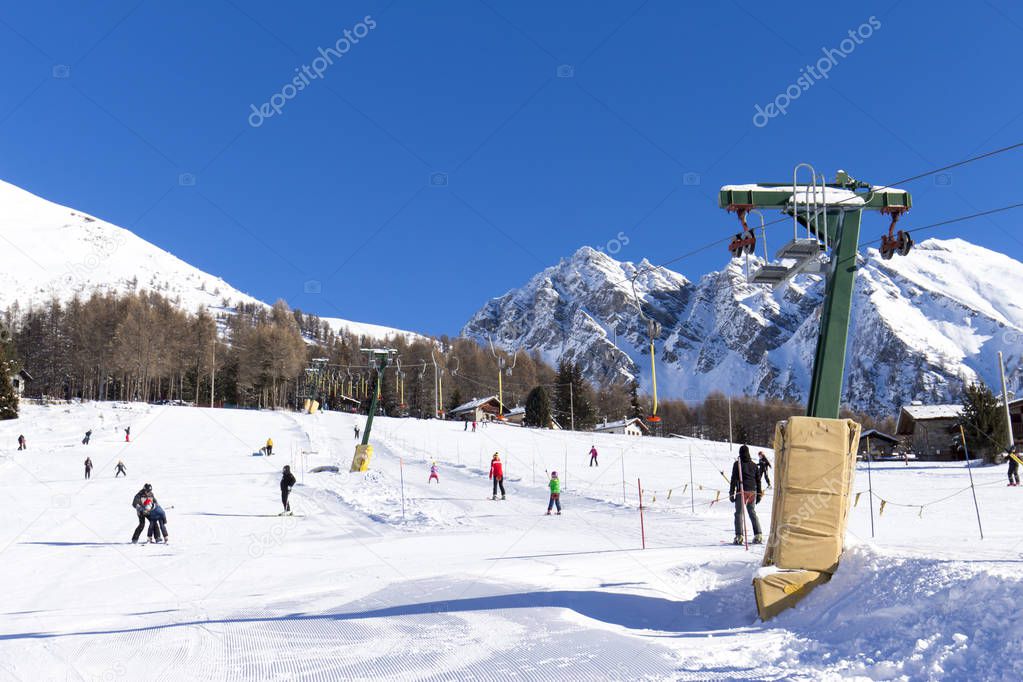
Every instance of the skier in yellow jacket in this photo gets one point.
(269, 446)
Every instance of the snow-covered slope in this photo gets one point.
(52, 251)
(923, 325)
(387, 576)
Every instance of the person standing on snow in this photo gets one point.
(139, 504)
(287, 481)
(88, 467)
(88, 435)
(119, 469)
(433, 474)
(474, 426)
(356, 427)
(269, 446)
(763, 467)
(555, 485)
(21, 443)
(127, 435)
(745, 491)
(497, 474)
(593, 456)
(466, 427)
(1013, 467)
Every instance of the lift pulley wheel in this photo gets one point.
(744, 243)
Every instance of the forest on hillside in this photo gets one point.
(141, 346)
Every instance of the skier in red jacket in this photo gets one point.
(497, 474)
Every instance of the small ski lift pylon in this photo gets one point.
(653, 329)
(895, 242)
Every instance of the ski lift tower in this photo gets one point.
(312, 381)
(378, 357)
(826, 231)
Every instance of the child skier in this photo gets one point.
(287, 481)
(593, 456)
(119, 469)
(497, 474)
(88, 435)
(744, 490)
(269, 446)
(127, 435)
(356, 427)
(1013, 467)
(88, 467)
(21, 443)
(433, 474)
(157, 523)
(555, 485)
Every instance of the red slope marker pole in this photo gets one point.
(642, 529)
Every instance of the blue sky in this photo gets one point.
(457, 148)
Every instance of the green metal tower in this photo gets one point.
(380, 357)
(826, 232)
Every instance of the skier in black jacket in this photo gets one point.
(287, 481)
(745, 491)
(1013, 466)
(763, 468)
(140, 496)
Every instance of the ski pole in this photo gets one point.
(742, 503)
(972, 489)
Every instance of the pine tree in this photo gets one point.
(983, 421)
(8, 398)
(455, 400)
(538, 408)
(634, 409)
(573, 397)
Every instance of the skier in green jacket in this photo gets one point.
(555, 485)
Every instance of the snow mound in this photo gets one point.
(889, 617)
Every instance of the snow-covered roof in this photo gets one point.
(515, 411)
(874, 433)
(918, 412)
(620, 424)
(473, 404)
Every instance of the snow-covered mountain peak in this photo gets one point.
(923, 324)
(56, 252)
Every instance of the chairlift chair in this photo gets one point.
(803, 253)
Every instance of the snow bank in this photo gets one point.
(887, 617)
